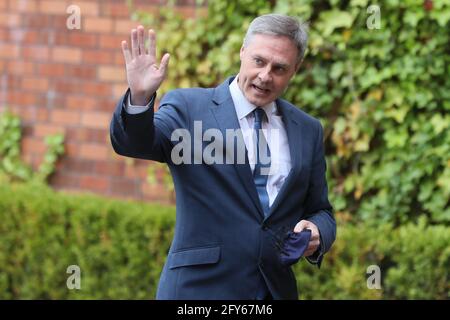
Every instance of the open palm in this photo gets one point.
(143, 74)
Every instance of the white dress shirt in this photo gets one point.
(274, 132)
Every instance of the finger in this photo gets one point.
(134, 43)
(314, 234)
(126, 52)
(164, 63)
(309, 253)
(152, 44)
(311, 249)
(313, 244)
(300, 226)
(141, 40)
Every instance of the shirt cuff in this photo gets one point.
(132, 109)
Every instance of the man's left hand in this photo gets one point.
(314, 242)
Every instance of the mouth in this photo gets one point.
(260, 89)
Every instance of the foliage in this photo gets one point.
(383, 94)
(120, 248)
(12, 168)
(414, 262)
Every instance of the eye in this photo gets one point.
(280, 69)
(258, 61)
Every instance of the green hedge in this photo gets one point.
(121, 246)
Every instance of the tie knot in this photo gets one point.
(259, 115)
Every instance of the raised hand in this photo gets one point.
(143, 74)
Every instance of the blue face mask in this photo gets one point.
(294, 246)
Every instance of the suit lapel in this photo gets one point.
(295, 148)
(225, 115)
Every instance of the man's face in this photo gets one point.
(267, 64)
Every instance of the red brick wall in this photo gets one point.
(68, 81)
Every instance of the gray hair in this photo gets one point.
(280, 25)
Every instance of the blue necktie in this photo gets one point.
(260, 174)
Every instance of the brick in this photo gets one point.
(65, 117)
(115, 10)
(100, 25)
(44, 130)
(59, 22)
(13, 81)
(111, 74)
(81, 103)
(64, 181)
(99, 120)
(186, 11)
(98, 184)
(67, 86)
(106, 104)
(81, 72)
(124, 187)
(22, 99)
(119, 60)
(77, 165)
(35, 84)
(109, 168)
(33, 37)
(23, 5)
(72, 149)
(53, 7)
(119, 90)
(97, 57)
(83, 40)
(124, 27)
(98, 135)
(81, 134)
(17, 35)
(96, 89)
(66, 54)
(51, 69)
(4, 34)
(31, 145)
(111, 42)
(36, 53)
(76, 39)
(88, 8)
(135, 172)
(20, 67)
(42, 114)
(36, 21)
(10, 20)
(9, 51)
(93, 151)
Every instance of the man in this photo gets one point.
(232, 218)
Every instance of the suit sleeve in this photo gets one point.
(318, 209)
(147, 135)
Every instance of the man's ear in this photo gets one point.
(241, 54)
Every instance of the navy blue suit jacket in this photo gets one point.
(222, 243)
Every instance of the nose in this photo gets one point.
(264, 75)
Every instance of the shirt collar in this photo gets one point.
(243, 106)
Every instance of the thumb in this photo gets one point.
(164, 63)
(303, 224)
